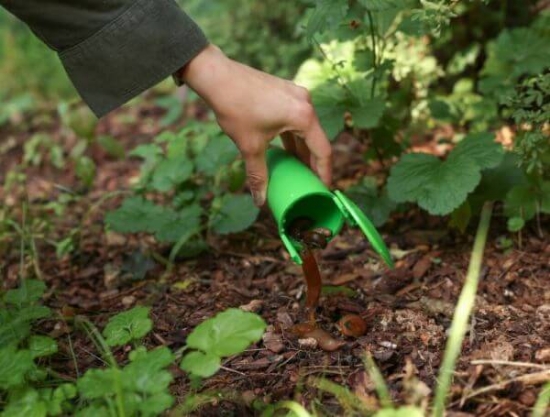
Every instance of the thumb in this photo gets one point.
(256, 174)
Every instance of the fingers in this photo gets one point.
(289, 142)
(321, 152)
(256, 174)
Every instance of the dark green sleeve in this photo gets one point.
(113, 50)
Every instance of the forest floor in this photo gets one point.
(408, 310)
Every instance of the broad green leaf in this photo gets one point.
(220, 151)
(379, 5)
(480, 148)
(156, 404)
(236, 213)
(437, 186)
(146, 374)
(180, 225)
(112, 146)
(25, 402)
(227, 333)
(327, 15)
(170, 173)
(368, 114)
(130, 325)
(59, 398)
(201, 364)
(460, 217)
(135, 215)
(14, 365)
(97, 383)
(328, 100)
(31, 290)
(42, 346)
(16, 325)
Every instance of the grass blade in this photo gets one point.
(462, 313)
(379, 382)
(543, 402)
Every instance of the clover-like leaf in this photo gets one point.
(127, 326)
(227, 333)
(236, 213)
(146, 373)
(201, 364)
(218, 152)
(180, 225)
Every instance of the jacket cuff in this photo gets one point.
(147, 43)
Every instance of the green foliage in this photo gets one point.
(226, 334)
(197, 169)
(442, 186)
(128, 326)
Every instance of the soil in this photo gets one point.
(408, 310)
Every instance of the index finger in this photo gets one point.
(321, 151)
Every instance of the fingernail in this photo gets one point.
(259, 197)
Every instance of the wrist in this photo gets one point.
(205, 72)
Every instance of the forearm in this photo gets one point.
(113, 50)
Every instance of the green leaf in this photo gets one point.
(438, 187)
(170, 173)
(14, 365)
(236, 213)
(227, 333)
(481, 148)
(25, 402)
(368, 114)
(146, 374)
(112, 146)
(15, 325)
(327, 15)
(218, 152)
(515, 224)
(130, 325)
(379, 5)
(42, 346)
(31, 290)
(460, 217)
(179, 226)
(97, 383)
(521, 201)
(377, 206)
(406, 411)
(136, 214)
(85, 170)
(201, 364)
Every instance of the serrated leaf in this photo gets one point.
(14, 365)
(368, 114)
(437, 186)
(480, 148)
(127, 326)
(327, 15)
(201, 364)
(218, 152)
(227, 333)
(31, 290)
(146, 373)
(42, 346)
(236, 213)
(179, 226)
(328, 100)
(97, 383)
(135, 215)
(169, 173)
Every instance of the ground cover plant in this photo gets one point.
(138, 278)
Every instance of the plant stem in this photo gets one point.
(462, 313)
(374, 57)
(541, 406)
(379, 383)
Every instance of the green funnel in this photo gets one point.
(294, 191)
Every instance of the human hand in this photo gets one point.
(252, 108)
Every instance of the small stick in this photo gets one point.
(509, 363)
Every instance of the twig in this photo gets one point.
(534, 378)
(509, 363)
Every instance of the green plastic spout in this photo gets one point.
(294, 191)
